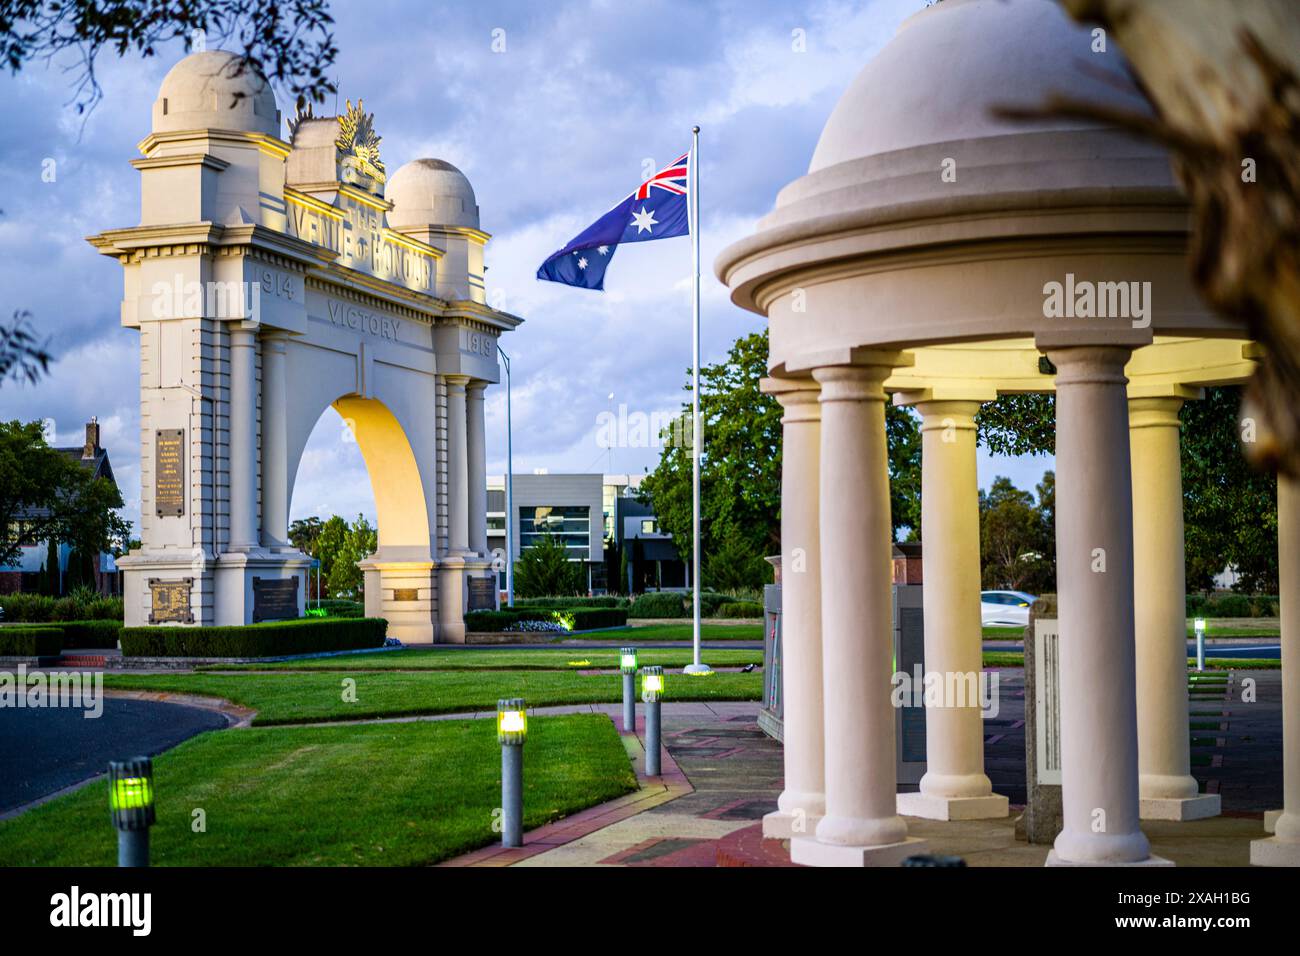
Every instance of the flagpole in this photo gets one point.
(698, 667)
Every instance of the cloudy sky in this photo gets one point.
(552, 130)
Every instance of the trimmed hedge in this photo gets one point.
(89, 634)
(275, 639)
(735, 609)
(572, 618)
(591, 618)
(600, 600)
(337, 607)
(30, 641)
(502, 619)
(660, 604)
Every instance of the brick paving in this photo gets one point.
(731, 775)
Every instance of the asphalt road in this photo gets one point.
(43, 750)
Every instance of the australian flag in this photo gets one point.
(656, 210)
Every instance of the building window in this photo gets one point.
(496, 523)
(571, 524)
(648, 526)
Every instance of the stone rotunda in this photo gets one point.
(939, 256)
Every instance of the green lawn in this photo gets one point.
(674, 632)
(392, 794)
(1003, 633)
(1265, 632)
(1017, 659)
(554, 659)
(294, 698)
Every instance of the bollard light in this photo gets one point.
(652, 684)
(512, 720)
(1199, 625)
(130, 805)
(652, 689)
(627, 664)
(512, 730)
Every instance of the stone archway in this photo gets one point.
(269, 280)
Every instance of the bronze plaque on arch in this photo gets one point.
(275, 599)
(482, 594)
(169, 601)
(169, 472)
(406, 594)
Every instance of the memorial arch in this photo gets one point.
(270, 280)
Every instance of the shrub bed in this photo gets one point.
(30, 641)
(570, 619)
(306, 636)
(40, 608)
(1232, 605)
(659, 604)
(738, 609)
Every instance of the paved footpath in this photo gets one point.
(721, 774)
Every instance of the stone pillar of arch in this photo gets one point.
(1167, 789)
(452, 566)
(243, 438)
(458, 494)
(955, 786)
(861, 826)
(803, 801)
(476, 445)
(1283, 848)
(275, 465)
(1094, 568)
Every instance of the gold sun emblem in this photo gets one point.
(359, 143)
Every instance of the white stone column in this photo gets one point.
(243, 439)
(861, 826)
(477, 467)
(275, 467)
(1166, 787)
(1094, 572)
(1283, 848)
(955, 786)
(803, 801)
(457, 466)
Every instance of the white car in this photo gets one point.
(1006, 608)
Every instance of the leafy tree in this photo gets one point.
(1019, 424)
(740, 469)
(58, 498)
(544, 569)
(30, 473)
(1229, 509)
(1017, 546)
(288, 42)
(329, 543)
(22, 357)
(304, 534)
(903, 438)
(360, 540)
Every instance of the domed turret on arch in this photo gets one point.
(940, 255)
(434, 202)
(431, 192)
(215, 89)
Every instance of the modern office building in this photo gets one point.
(597, 516)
